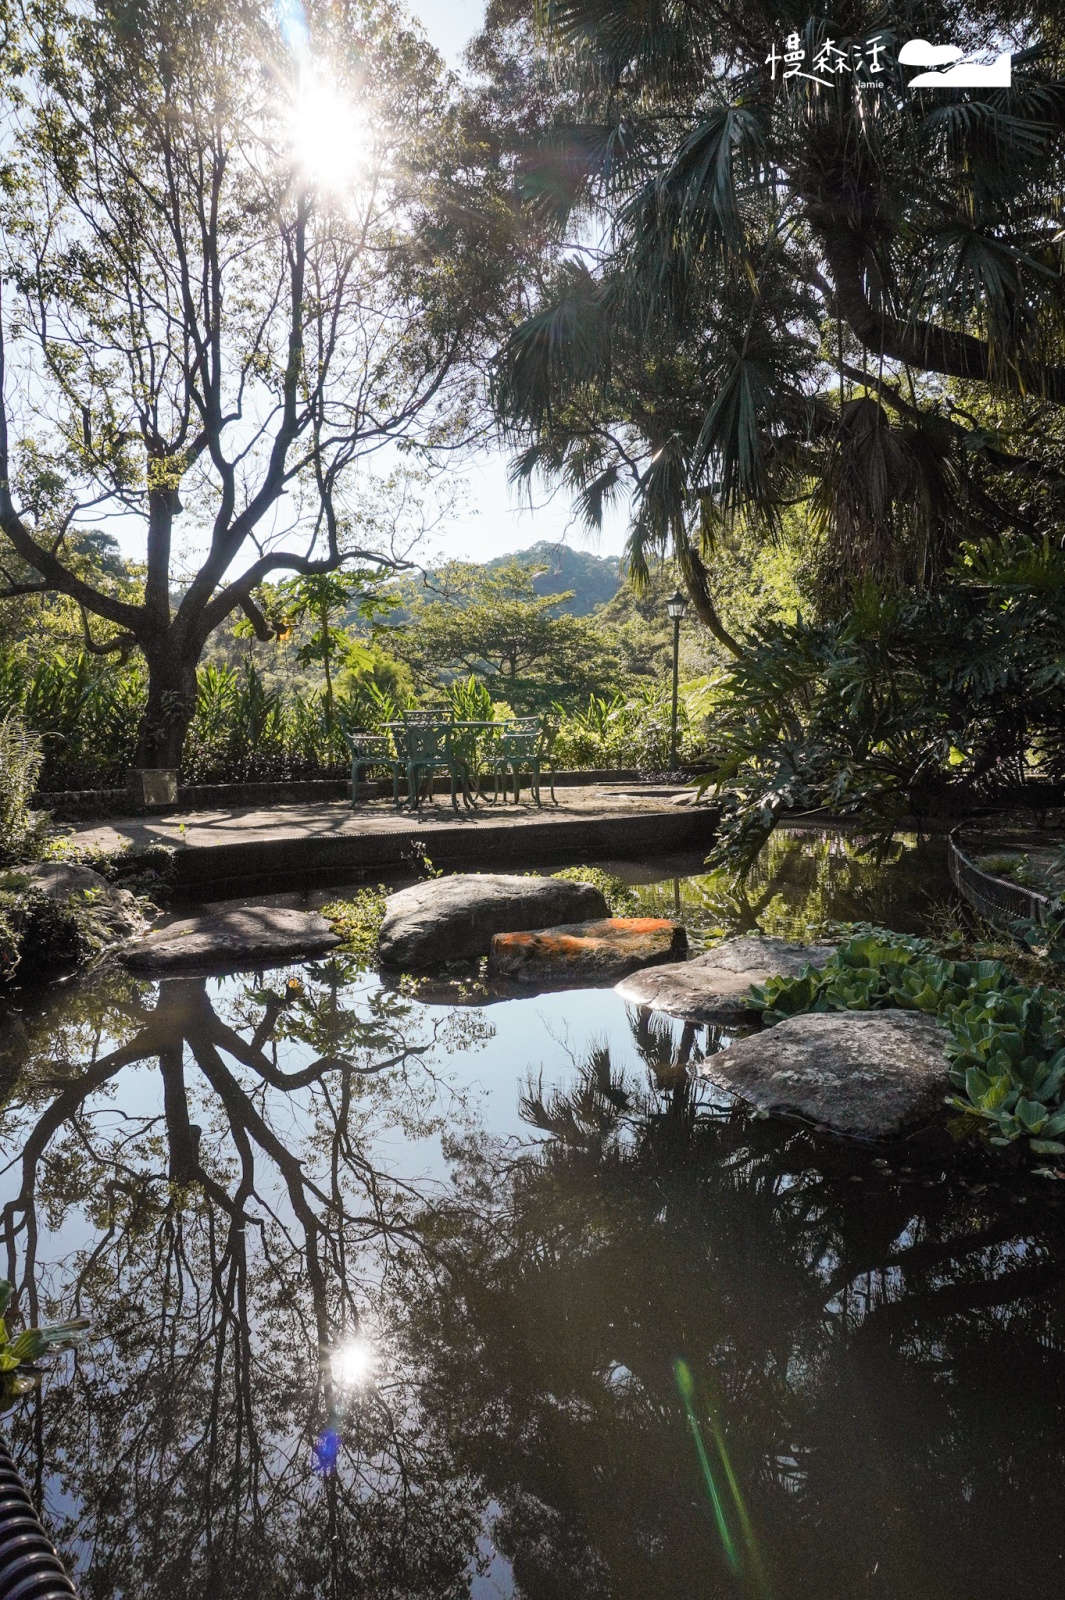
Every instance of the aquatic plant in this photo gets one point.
(621, 900)
(18, 1375)
(1003, 1043)
(358, 920)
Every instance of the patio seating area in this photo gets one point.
(423, 745)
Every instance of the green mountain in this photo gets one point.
(594, 579)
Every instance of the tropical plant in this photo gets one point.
(1004, 1039)
(633, 730)
(818, 285)
(898, 704)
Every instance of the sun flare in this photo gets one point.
(329, 137)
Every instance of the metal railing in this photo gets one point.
(996, 899)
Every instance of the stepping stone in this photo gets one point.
(244, 938)
(455, 918)
(867, 1074)
(713, 988)
(592, 952)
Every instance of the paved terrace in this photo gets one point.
(293, 845)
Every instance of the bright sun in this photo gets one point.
(329, 137)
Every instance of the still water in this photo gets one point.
(396, 1299)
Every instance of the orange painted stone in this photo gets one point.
(596, 952)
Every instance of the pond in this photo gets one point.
(398, 1298)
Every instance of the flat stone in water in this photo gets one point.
(713, 988)
(454, 918)
(867, 1074)
(600, 951)
(231, 939)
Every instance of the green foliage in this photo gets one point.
(726, 354)
(21, 830)
(358, 920)
(1004, 1039)
(620, 898)
(85, 710)
(42, 934)
(898, 703)
(490, 621)
(18, 1375)
(628, 731)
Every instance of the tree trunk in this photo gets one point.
(697, 583)
(172, 661)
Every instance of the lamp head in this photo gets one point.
(676, 606)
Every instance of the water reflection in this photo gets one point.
(634, 1343)
(806, 877)
(197, 1174)
(872, 1355)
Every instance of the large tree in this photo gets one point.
(764, 286)
(241, 249)
(491, 621)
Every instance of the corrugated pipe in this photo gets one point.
(30, 1569)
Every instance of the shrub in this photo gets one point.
(620, 899)
(21, 830)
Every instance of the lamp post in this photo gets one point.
(676, 606)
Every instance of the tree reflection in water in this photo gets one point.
(217, 1214)
(216, 1185)
(881, 1351)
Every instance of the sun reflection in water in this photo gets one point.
(352, 1363)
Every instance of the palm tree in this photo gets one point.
(828, 288)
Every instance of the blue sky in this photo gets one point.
(450, 24)
(495, 522)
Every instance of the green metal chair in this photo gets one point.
(371, 750)
(522, 745)
(428, 738)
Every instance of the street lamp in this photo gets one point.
(676, 606)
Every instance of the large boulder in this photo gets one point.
(60, 879)
(713, 988)
(109, 914)
(586, 952)
(868, 1074)
(449, 919)
(248, 937)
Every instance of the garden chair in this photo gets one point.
(371, 750)
(429, 749)
(522, 744)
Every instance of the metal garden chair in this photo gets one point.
(428, 738)
(371, 750)
(522, 745)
